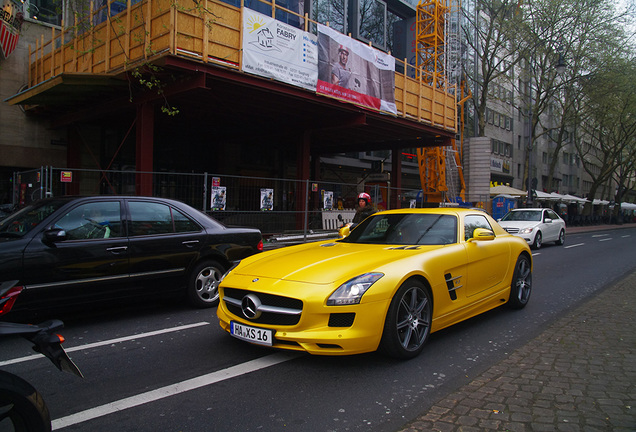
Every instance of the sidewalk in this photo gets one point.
(579, 375)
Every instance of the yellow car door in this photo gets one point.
(487, 260)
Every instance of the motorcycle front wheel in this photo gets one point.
(22, 408)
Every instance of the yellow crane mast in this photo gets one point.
(431, 31)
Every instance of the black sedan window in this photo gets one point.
(148, 218)
(23, 221)
(92, 221)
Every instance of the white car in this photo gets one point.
(535, 225)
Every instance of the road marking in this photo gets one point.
(605, 239)
(174, 389)
(625, 236)
(600, 235)
(574, 245)
(109, 342)
(536, 254)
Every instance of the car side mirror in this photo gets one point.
(481, 234)
(547, 220)
(54, 235)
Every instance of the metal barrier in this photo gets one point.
(275, 206)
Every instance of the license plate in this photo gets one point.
(252, 334)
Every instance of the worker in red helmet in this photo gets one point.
(365, 209)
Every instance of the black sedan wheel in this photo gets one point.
(521, 286)
(203, 287)
(408, 322)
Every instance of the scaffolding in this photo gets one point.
(438, 47)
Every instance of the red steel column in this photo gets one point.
(396, 178)
(144, 148)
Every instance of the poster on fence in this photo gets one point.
(354, 72)
(267, 199)
(276, 50)
(218, 198)
(328, 200)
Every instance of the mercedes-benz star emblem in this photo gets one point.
(250, 306)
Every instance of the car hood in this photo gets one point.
(325, 262)
(519, 224)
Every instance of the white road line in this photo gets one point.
(109, 342)
(605, 239)
(625, 236)
(600, 235)
(536, 254)
(174, 389)
(574, 245)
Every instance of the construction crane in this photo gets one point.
(438, 48)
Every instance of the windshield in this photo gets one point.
(523, 215)
(23, 221)
(406, 229)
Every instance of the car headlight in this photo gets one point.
(351, 292)
(235, 263)
(526, 230)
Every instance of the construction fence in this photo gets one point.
(273, 205)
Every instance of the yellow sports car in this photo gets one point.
(397, 277)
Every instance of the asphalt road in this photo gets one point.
(165, 367)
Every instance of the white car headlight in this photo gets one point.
(351, 291)
(526, 230)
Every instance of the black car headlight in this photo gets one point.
(351, 292)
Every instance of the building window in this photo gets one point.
(46, 11)
(333, 12)
(372, 22)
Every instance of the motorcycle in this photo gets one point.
(22, 408)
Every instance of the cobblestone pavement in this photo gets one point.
(579, 375)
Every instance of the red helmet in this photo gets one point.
(365, 196)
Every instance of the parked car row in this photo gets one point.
(73, 250)
(397, 277)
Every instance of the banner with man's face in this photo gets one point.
(352, 71)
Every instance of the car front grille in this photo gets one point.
(276, 310)
(512, 230)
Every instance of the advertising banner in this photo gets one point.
(276, 50)
(10, 25)
(267, 199)
(328, 200)
(352, 71)
(219, 198)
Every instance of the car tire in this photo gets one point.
(538, 241)
(561, 238)
(203, 285)
(521, 286)
(408, 321)
(22, 408)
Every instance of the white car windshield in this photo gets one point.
(523, 215)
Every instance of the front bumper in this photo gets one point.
(320, 331)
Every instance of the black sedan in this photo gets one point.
(72, 250)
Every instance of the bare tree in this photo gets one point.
(490, 33)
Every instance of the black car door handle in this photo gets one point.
(190, 243)
(117, 249)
